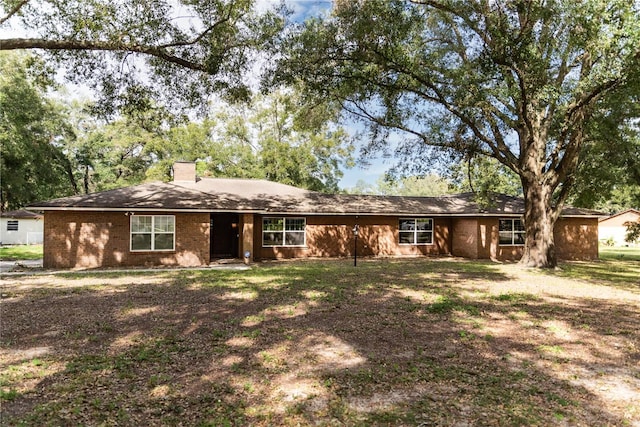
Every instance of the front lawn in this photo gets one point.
(20, 252)
(391, 342)
(618, 253)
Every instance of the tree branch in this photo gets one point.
(156, 51)
(13, 11)
(200, 36)
(364, 114)
(499, 149)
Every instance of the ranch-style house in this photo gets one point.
(192, 221)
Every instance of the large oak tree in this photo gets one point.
(516, 80)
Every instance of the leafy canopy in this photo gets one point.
(479, 77)
(177, 51)
(33, 132)
(265, 138)
(277, 138)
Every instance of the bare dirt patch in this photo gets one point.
(391, 342)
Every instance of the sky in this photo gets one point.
(303, 9)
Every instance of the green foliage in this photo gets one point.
(276, 138)
(483, 176)
(632, 234)
(430, 185)
(123, 152)
(362, 187)
(33, 133)
(265, 139)
(427, 185)
(608, 177)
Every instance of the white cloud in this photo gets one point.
(303, 9)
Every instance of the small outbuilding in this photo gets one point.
(612, 229)
(21, 227)
(191, 221)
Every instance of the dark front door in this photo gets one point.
(224, 235)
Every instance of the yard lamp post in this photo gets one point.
(356, 231)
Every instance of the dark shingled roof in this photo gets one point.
(20, 214)
(244, 195)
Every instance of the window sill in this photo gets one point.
(285, 246)
(150, 251)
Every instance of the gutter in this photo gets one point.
(267, 212)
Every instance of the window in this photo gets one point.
(152, 232)
(511, 231)
(416, 231)
(12, 225)
(283, 231)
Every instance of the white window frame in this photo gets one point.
(285, 231)
(13, 225)
(513, 231)
(415, 231)
(153, 233)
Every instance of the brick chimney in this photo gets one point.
(184, 171)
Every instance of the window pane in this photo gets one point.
(424, 237)
(506, 238)
(141, 242)
(140, 224)
(295, 224)
(518, 225)
(272, 238)
(294, 238)
(163, 242)
(163, 224)
(407, 224)
(272, 224)
(406, 238)
(424, 224)
(505, 225)
(519, 238)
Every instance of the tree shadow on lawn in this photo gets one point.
(398, 343)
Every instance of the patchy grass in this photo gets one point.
(391, 342)
(20, 252)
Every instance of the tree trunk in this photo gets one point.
(539, 220)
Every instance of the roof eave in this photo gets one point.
(283, 212)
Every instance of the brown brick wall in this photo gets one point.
(247, 240)
(101, 239)
(332, 236)
(577, 238)
(488, 242)
(184, 171)
(464, 237)
(477, 238)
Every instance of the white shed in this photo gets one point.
(21, 228)
(612, 228)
